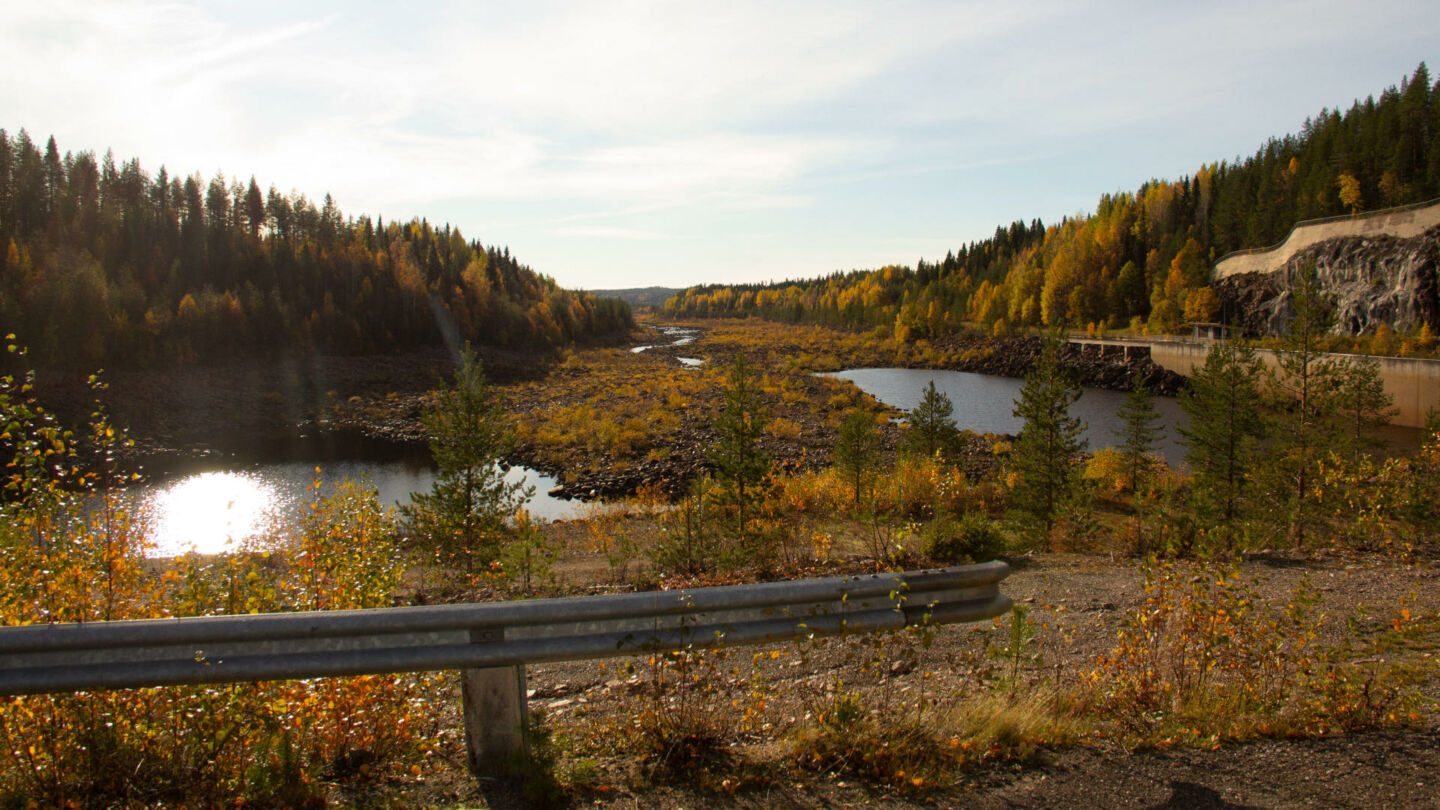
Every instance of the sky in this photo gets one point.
(626, 144)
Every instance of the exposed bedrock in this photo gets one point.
(1373, 280)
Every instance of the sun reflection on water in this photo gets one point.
(211, 512)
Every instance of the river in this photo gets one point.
(210, 502)
(986, 404)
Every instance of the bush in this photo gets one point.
(1204, 659)
(904, 754)
(920, 487)
(971, 539)
(260, 744)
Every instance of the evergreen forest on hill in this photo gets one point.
(1142, 259)
(103, 264)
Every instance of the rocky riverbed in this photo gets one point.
(243, 407)
(1017, 357)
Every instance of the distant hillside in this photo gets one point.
(1143, 259)
(641, 296)
(103, 264)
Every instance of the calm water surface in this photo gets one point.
(217, 504)
(985, 404)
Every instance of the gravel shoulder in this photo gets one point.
(1077, 602)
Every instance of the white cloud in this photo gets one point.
(600, 232)
(636, 67)
(627, 120)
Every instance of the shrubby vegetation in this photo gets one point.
(1201, 660)
(71, 551)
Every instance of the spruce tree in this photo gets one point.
(464, 513)
(1045, 453)
(1138, 431)
(856, 449)
(742, 467)
(1362, 407)
(932, 426)
(1226, 426)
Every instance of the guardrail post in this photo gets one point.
(496, 723)
(493, 706)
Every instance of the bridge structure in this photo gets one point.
(1413, 383)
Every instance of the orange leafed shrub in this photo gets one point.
(1205, 657)
(69, 554)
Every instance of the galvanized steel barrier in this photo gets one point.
(490, 642)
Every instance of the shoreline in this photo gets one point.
(239, 409)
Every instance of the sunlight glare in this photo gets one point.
(211, 512)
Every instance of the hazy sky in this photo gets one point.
(625, 144)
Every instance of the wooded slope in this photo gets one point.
(1142, 255)
(103, 264)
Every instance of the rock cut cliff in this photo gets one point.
(1373, 279)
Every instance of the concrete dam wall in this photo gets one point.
(1413, 383)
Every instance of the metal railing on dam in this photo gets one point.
(489, 642)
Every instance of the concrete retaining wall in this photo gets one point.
(1414, 384)
(1404, 223)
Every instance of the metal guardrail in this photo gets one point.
(1305, 223)
(490, 643)
(221, 649)
(1132, 340)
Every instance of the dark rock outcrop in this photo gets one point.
(1017, 356)
(1372, 279)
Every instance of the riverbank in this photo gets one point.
(603, 421)
(1017, 356)
(607, 423)
(958, 716)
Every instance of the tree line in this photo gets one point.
(1143, 258)
(103, 264)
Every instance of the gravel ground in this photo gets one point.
(1077, 602)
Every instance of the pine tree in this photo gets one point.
(1422, 504)
(1044, 455)
(1223, 403)
(1138, 431)
(742, 467)
(932, 426)
(1307, 380)
(856, 449)
(254, 209)
(1362, 407)
(464, 513)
